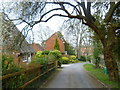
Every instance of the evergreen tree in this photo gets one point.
(56, 46)
(69, 48)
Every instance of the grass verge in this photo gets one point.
(100, 75)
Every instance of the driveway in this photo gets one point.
(72, 76)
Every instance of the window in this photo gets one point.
(25, 58)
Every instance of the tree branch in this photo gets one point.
(113, 7)
(30, 24)
(68, 15)
(63, 7)
(49, 18)
(65, 3)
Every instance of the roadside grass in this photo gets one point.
(100, 75)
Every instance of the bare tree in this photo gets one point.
(79, 33)
(44, 33)
(18, 13)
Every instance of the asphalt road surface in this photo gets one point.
(72, 76)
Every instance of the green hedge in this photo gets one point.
(8, 65)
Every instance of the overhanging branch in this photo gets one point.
(71, 16)
(63, 9)
(111, 11)
(67, 3)
(51, 17)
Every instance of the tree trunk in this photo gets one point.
(78, 54)
(111, 64)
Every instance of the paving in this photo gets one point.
(72, 76)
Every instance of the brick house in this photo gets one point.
(50, 42)
(37, 47)
(86, 50)
(14, 43)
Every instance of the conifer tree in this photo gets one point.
(56, 46)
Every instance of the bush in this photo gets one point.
(69, 59)
(40, 60)
(65, 60)
(43, 57)
(74, 61)
(89, 58)
(57, 54)
(8, 66)
(82, 58)
(39, 53)
(73, 57)
(46, 52)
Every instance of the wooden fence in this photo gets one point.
(22, 79)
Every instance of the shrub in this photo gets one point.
(47, 56)
(51, 57)
(82, 58)
(69, 59)
(65, 60)
(40, 60)
(56, 46)
(39, 53)
(73, 61)
(57, 54)
(46, 52)
(43, 57)
(8, 66)
(73, 57)
(89, 58)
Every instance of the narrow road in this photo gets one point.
(72, 76)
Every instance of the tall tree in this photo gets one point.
(57, 46)
(79, 33)
(43, 33)
(69, 48)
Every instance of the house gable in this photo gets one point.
(50, 42)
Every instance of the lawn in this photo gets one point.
(100, 75)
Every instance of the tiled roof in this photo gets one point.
(13, 40)
(37, 47)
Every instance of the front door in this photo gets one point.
(29, 58)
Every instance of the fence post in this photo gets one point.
(56, 64)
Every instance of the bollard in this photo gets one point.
(105, 70)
